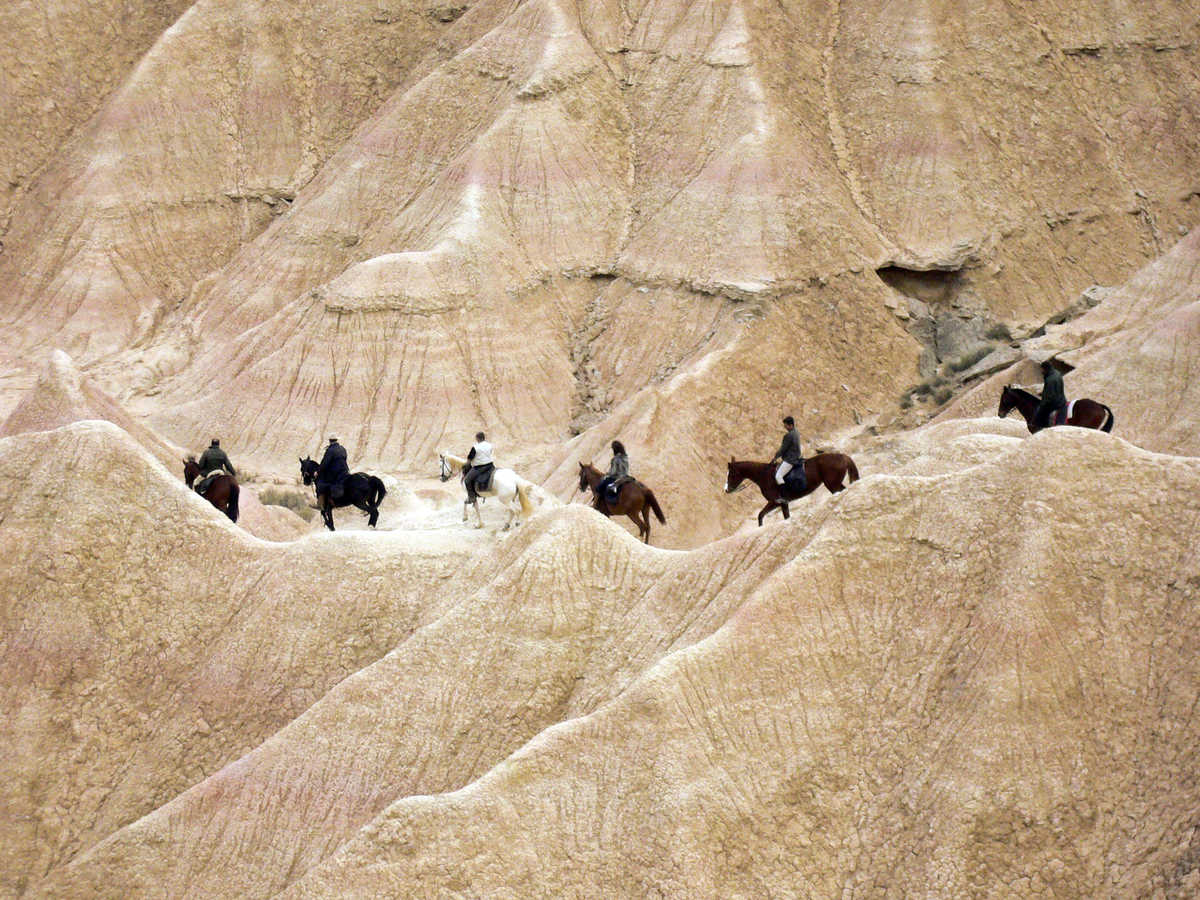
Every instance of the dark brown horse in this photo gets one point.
(222, 492)
(1085, 413)
(633, 500)
(829, 469)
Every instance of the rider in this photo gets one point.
(212, 462)
(333, 471)
(1054, 396)
(480, 458)
(618, 473)
(789, 451)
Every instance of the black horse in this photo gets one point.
(360, 489)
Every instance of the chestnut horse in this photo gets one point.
(828, 469)
(1084, 413)
(633, 500)
(222, 491)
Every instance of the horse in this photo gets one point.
(828, 469)
(1084, 413)
(360, 489)
(222, 492)
(633, 500)
(506, 486)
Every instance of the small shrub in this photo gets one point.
(998, 332)
(294, 500)
(968, 359)
(942, 394)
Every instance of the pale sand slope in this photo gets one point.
(62, 395)
(978, 676)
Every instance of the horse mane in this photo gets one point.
(1020, 390)
(451, 458)
(749, 463)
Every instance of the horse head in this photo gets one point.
(446, 470)
(191, 469)
(308, 469)
(583, 476)
(734, 476)
(1008, 399)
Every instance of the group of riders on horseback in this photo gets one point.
(788, 476)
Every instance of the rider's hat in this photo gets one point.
(332, 439)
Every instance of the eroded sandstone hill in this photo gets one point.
(975, 680)
(973, 673)
(667, 221)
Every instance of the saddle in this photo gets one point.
(1062, 414)
(612, 490)
(484, 480)
(205, 481)
(795, 480)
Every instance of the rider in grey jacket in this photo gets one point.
(789, 451)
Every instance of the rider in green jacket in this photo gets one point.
(212, 461)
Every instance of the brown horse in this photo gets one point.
(1085, 413)
(633, 500)
(828, 469)
(222, 491)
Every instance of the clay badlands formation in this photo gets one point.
(975, 672)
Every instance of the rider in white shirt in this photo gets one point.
(480, 458)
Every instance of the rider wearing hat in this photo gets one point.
(333, 471)
(789, 451)
(212, 462)
(1054, 396)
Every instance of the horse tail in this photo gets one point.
(523, 496)
(1108, 425)
(377, 490)
(654, 506)
(232, 509)
(852, 469)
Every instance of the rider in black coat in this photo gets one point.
(1054, 396)
(333, 471)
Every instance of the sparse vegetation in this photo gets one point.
(968, 359)
(998, 332)
(289, 498)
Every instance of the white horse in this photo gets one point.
(507, 487)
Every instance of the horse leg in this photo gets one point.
(478, 517)
(784, 507)
(771, 504)
(643, 529)
(327, 515)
